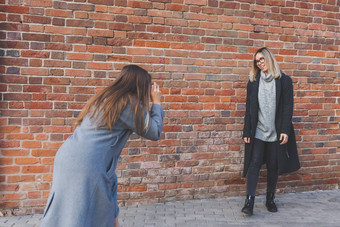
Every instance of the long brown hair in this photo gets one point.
(134, 86)
(273, 67)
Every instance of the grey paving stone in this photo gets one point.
(306, 209)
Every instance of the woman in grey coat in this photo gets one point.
(84, 187)
(268, 130)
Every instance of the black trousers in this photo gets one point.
(266, 151)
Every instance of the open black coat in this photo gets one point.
(288, 160)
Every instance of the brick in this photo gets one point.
(36, 37)
(243, 27)
(80, 7)
(20, 136)
(14, 44)
(36, 19)
(79, 56)
(245, 42)
(58, 113)
(135, 188)
(288, 38)
(44, 152)
(78, 73)
(14, 27)
(52, 145)
(140, 4)
(316, 53)
(58, 30)
(330, 22)
(288, 52)
(9, 129)
(102, 2)
(136, 19)
(230, 5)
(6, 161)
(16, 96)
(100, 49)
(97, 65)
(58, 55)
(16, 105)
(34, 71)
(42, 3)
(20, 178)
(14, 61)
(14, 9)
(79, 39)
(121, 26)
(15, 113)
(47, 161)
(31, 144)
(38, 105)
(56, 81)
(79, 23)
(35, 169)
(35, 54)
(9, 144)
(35, 63)
(34, 195)
(119, 58)
(211, 40)
(96, 32)
(157, 44)
(58, 13)
(20, 161)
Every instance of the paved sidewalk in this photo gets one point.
(317, 208)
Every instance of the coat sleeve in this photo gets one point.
(246, 127)
(288, 103)
(153, 121)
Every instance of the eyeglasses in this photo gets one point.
(261, 60)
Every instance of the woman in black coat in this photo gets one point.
(268, 130)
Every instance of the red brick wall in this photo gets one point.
(56, 54)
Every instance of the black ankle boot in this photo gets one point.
(270, 204)
(249, 205)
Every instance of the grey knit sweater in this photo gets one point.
(265, 130)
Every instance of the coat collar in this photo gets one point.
(256, 86)
(278, 91)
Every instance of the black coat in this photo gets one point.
(288, 160)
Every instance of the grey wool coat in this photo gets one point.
(288, 160)
(84, 187)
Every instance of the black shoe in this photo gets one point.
(270, 204)
(249, 205)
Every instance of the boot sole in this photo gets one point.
(247, 212)
(273, 211)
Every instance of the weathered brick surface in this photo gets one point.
(55, 55)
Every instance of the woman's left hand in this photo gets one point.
(283, 138)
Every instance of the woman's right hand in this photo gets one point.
(156, 94)
(246, 139)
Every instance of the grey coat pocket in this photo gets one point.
(114, 141)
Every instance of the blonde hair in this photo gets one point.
(273, 67)
(133, 86)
